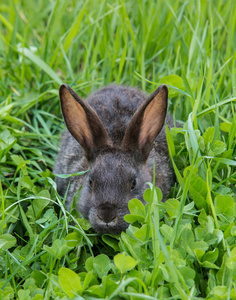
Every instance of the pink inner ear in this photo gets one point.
(153, 119)
(75, 118)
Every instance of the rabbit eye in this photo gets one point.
(133, 184)
(90, 181)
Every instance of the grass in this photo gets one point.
(182, 249)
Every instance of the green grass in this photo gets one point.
(182, 249)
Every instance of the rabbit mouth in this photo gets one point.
(107, 222)
(102, 226)
(109, 228)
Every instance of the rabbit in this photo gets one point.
(116, 134)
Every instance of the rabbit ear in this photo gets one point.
(146, 123)
(83, 122)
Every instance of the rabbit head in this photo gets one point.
(117, 173)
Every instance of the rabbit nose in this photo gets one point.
(107, 213)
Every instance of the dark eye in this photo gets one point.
(90, 181)
(133, 184)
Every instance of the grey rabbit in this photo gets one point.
(115, 135)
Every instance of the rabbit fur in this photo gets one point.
(116, 134)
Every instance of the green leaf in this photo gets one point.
(71, 175)
(58, 249)
(39, 277)
(111, 240)
(98, 291)
(226, 161)
(131, 244)
(84, 223)
(47, 217)
(69, 282)
(233, 231)
(167, 231)
(171, 149)
(225, 126)
(74, 239)
(137, 211)
(209, 135)
(170, 142)
(88, 278)
(108, 285)
(124, 262)
(39, 296)
(26, 223)
(200, 245)
(122, 60)
(7, 241)
(133, 218)
(219, 292)
(27, 183)
(101, 265)
(209, 265)
(20, 162)
(175, 81)
(206, 222)
(198, 191)
(41, 201)
(187, 273)
(187, 238)
(172, 207)
(200, 254)
(24, 295)
(136, 207)
(231, 262)
(217, 148)
(6, 291)
(224, 205)
(211, 256)
(147, 195)
(29, 284)
(142, 233)
(89, 263)
(5, 148)
(40, 63)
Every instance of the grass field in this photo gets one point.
(182, 249)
